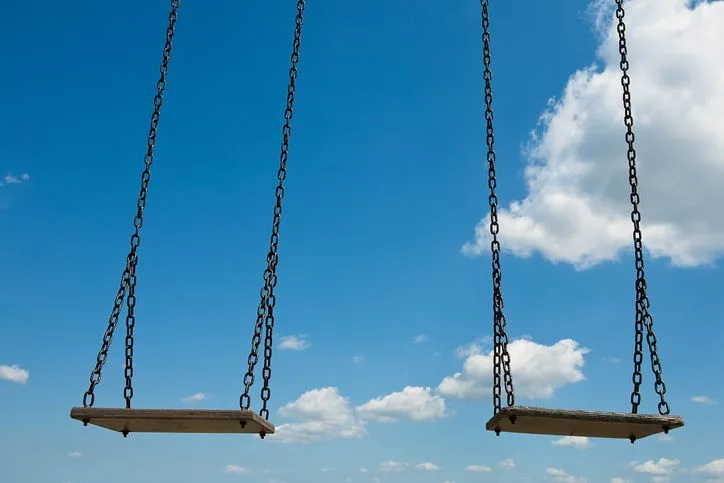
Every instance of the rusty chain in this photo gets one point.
(643, 318)
(128, 279)
(265, 310)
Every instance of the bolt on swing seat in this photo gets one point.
(130, 420)
(564, 422)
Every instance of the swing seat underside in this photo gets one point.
(174, 420)
(594, 424)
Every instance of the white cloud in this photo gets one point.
(663, 467)
(561, 476)
(478, 468)
(393, 466)
(463, 352)
(538, 370)
(507, 464)
(236, 470)
(577, 207)
(427, 466)
(14, 374)
(664, 438)
(713, 469)
(12, 179)
(420, 338)
(199, 396)
(293, 343)
(399, 466)
(358, 359)
(703, 400)
(75, 454)
(363, 469)
(324, 414)
(573, 441)
(416, 403)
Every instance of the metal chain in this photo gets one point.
(500, 351)
(265, 311)
(643, 317)
(128, 279)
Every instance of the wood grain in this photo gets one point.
(174, 420)
(566, 422)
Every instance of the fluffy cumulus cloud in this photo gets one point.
(399, 466)
(660, 469)
(561, 476)
(199, 396)
(416, 403)
(573, 442)
(14, 373)
(293, 343)
(478, 469)
(507, 464)
(703, 400)
(537, 369)
(664, 438)
(577, 205)
(323, 413)
(713, 469)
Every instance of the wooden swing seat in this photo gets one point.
(174, 420)
(594, 424)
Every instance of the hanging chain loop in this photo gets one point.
(643, 318)
(501, 357)
(128, 279)
(265, 311)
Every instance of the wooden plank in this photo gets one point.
(174, 420)
(594, 424)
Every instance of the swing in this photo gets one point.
(560, 422)
(516, 419)
(127, 420)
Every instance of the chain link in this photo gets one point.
(265, 311)
(128, 279)
(643, 317)
(501, 357)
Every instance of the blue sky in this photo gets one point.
(383, 281)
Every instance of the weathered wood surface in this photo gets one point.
(594, 424)
(174, 420)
